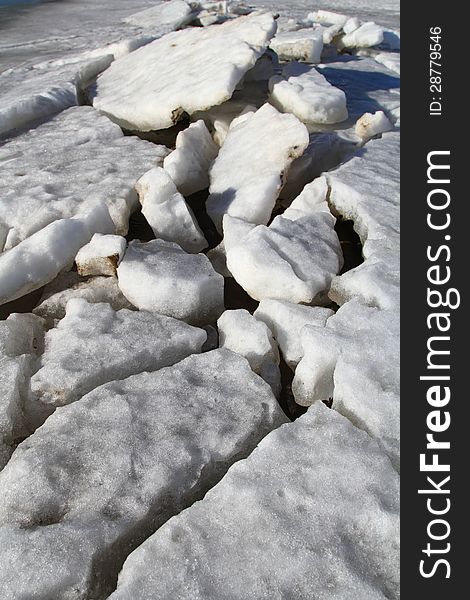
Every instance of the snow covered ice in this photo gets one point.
(305, 45)
(152, 87)
(174, 14)
(304, 92)
(101, 256)
(137, 451)
(313, 512)
(167, 212)
(159, 276)
(86, 349)
(370, 125)
(237, 178)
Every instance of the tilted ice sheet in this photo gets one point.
(101, 256)
(188, 165)
(304, 92)
(354, 359)
(41, 257)
(311, 513)
(103, 473)
(93, 344)
(295, 258)
(252, 165)
(68, 165)
(185, 71)
(166, 211)
(240, 332)
(366, 189)
(159, 276)
(174, 14)
(305, 45)
(286, 321)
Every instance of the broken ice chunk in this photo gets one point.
(318, 495)
(174, 14)
(188, 165)
(305, 45)
(167, 212)
(370, 125)
(327, 17)
(286, 320)
(182, 72)
(242, 333)
(103, 473)
(93, 344)
(367, 35)
(354, 359)
(160, 277)
(101, 256)
(252, 165)
(304, 92)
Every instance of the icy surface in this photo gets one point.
(390, 59)
(167, 212)
(365, 36)
(242, 333)
(304, 92)
(41, 257)
(295, 258)
(65, 167)
(219, 118)
(286, 321)
(86, 349)
(160, 277)
(355, 360)
(305, 45)
(29, 94)
(131, 454)
(152, 87)
(188, 165)
(101, 256)
(370, 125)
(174, 14)
(53, 302)
(312, 513)
(247, 188)
(366, 189)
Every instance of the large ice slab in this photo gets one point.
(252, 165)
(42, 256)
(101, 256)
(366, 189)
(240, 332)
(295, 258)
(183, 72)
(312, 513)
(159, 276)
(103, 473)
(93, 344)
(167, 212)
(286, 321)
(355, 360)
(174, 14)
(188, 165)
(29, 94)
(367, 35)
(66, 166)
(305, 45)
(304, 92)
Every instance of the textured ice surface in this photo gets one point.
(293, 259)
(305, 45)
(137, 451)
(219, 118)
(53, 302)
(93, 344)
(312, 513)
(304, 92)
(242, 333)
(29, 94)
(185, 71)
(167, 212)
(101, 256)
(328, 17)
(41, 257)
(366, 189)
(188, 165)
(160, 277)
(174, 14)
(370, 125)
(355, 360)
(252, 165)
(68, 165)
(286, 321)
(367, 35)
(390, 59)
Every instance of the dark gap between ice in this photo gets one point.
(350, 244)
